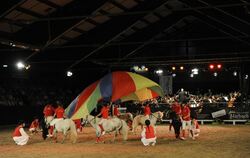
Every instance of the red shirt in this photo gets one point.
(176, 108)
(116, 111)
(16, 132)
(48, 110)
(34, 124)
(147, 110)
(186, 113)
(149, 132)
(105, 112)
(59, 112)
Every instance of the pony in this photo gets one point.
(64, 126)
(140, 119)
(128, 118)
(111, 125)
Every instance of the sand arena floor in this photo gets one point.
(215, 141)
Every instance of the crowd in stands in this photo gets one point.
(38, 96)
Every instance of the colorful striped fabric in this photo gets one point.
(119, 85)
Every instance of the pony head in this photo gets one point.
(159, 115)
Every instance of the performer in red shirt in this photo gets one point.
(148, 134)
(59, 115)
(19, 135)
(105, 114)
(48, 112)
(34, 127)
(147, 111)
(186, 120)
(116, 111)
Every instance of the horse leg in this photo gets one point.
(64, 136)
(55, 136)
(134, 125)
(113, 140)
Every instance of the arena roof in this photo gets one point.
(60, 35)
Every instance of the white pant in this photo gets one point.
(146, 142)
(186, 125)
(22, 140)
(53, 122)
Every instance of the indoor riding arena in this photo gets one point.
(124, 78)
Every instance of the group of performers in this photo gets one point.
(21, 137)
(181, 118)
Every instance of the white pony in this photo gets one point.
(128, 118)
(111, 125)
(140, 119)
(64, 126)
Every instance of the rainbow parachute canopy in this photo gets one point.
(119, 85)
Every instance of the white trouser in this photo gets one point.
(146, 142)
(21, 140)
(186, 125)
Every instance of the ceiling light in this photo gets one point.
(195, 71)
(69, 73)
(20, 65)
(211, 66)
(219, 66)
(159, 71)
(235, 73)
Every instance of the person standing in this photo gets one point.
(105, 114)
(147, 111)
(176, 123)
(48, 112)
(20, 137)
(59, 115)
(186, 120)
(116, 111)
(148, 134)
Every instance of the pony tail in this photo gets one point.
(73, 132)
